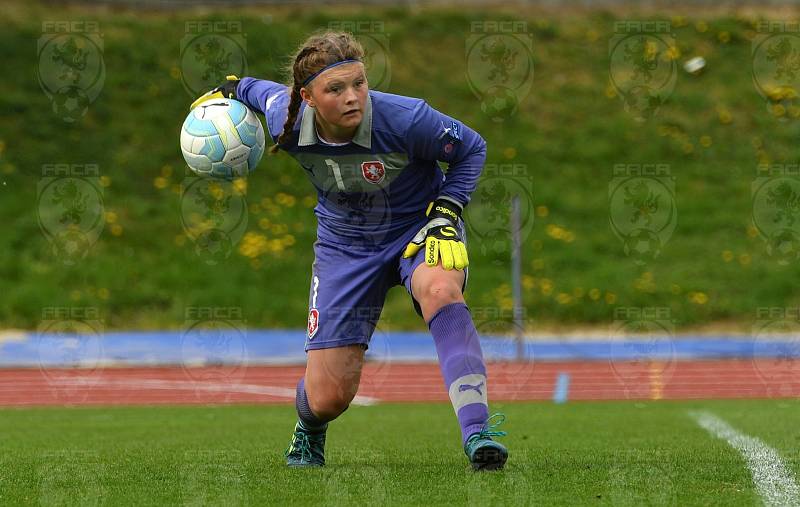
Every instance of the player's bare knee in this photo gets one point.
(440, 293)
(333, 397)
(331, 405)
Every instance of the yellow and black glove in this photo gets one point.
(226, 90)
(441, 236)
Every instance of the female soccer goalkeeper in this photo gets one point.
(386, 215)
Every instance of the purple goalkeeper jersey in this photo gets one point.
(372, 189)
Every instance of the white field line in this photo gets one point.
(775, 483)
(280, 392)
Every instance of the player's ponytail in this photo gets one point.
(316, 53)
(294, 108)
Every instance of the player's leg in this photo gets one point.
(345, 302)
(438, 293)
(330, 383)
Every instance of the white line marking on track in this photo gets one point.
(137, 384)
(775, 483)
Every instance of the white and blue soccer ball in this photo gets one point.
(222, 138)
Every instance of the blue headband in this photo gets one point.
(323, 69)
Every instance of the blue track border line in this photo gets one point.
(253, 346)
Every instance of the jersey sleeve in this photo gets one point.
(436, 136)
(267, 97)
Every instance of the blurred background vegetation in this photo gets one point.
(569, 132)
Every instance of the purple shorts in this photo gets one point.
(349, 286)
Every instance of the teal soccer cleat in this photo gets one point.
(483, 452)
(307, 448)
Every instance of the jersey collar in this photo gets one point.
(362, 137)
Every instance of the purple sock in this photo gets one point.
(310, 421)
(461, 362)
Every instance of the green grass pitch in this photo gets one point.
(579, 453)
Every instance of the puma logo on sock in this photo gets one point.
(467, 387)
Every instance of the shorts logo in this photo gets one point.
(313, 322)
(373, 171)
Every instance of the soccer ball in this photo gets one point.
(70, 103)
(222, 138)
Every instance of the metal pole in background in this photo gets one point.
(516, 282)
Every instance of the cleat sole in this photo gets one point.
(489, 458)
(304, 465)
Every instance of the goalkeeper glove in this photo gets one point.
(440, 236)
(224, 91)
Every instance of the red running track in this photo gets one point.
(589, 380)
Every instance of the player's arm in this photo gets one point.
(435, 136)
(266, 97)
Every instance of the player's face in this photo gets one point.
(339, 96)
